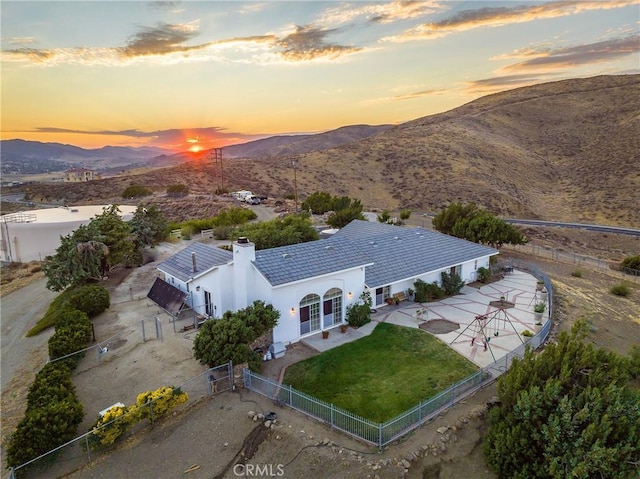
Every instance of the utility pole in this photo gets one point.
(216, 156)
(294, 164)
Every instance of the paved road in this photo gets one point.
(599, 228)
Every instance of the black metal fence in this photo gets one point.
(382, 434)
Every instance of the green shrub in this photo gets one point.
(451, 283)
(576, 273)
(133, 258)
(527, 334)
(90, 299)
(136, 191)
(539, 308)
(52, 383)
(55, 311)
(620, 289)
(178, 190)
(43, 429)
(73, 298)
(228, 217)
(72, 334)
(426, 292)
(631, 262)
(483, 274)
(358, 314)
(51, 418)
(222, 232)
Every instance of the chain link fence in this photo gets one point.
(581, 261)
(74, 454)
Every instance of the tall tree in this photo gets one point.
(89, 251)
(566, 412)
(447, 218)
(114, 232)
(229, 338)
(78, 258)
(476, 224)
(319, 203)
(292, 229)
(148, 225)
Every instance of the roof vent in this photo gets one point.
(286, 255)
(243, 240)
(329, 248)
(396, 237)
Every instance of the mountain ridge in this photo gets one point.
(566, 151)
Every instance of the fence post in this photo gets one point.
(290, 396)
(86, 443)
(380, 436)
(159, 329)
(331, 404)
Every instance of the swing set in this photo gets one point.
(487, 326)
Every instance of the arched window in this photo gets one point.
(332, 307)
(309, 314)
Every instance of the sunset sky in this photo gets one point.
(203, 74)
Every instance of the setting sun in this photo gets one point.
(195, 149)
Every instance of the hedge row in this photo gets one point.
(90, 299)
(52, 416)
(53, 409)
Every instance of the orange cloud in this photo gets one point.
(546, 59)
(500, 16)
(308, 43)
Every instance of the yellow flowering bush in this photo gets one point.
(149, 405)
(153, 404)
(112, 425)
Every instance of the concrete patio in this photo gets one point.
(502, 327)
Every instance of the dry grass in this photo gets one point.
(564, 151)
(14, 276)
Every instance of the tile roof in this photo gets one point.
(180, 265)
(390, 253)
(287, 264)
(399, 253)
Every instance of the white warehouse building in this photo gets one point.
(32, 235)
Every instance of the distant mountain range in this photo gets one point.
(565, 151)
(33, 157)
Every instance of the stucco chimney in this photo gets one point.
(193, 261)
(244, 253)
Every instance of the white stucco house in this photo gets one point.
(311, 284)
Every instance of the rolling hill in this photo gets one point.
(566, 150)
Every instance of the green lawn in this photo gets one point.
(383, 374)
